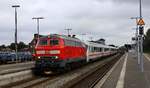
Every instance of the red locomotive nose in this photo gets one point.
(49, 47)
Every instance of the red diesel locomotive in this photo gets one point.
(57, 52)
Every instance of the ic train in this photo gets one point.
(60, 52)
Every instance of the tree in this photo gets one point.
(12, 46)
(22, 45)
(2, 47)
(147, 41)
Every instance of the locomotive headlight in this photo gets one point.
(56, 57)
(39, 57)
(54, 52)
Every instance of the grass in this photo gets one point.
(147, 50)
(149, 53)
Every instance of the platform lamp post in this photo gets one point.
(38, 24)
(137, 39)
(16, 46)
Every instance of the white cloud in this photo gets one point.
(100, 18)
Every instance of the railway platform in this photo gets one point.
(126, 73)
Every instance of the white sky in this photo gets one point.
(108, 19)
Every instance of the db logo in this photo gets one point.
(46, 52)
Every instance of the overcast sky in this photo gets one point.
(108, 19)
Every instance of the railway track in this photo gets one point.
(15, 77)
(91, 79)
(13, 68)
(27, 82)
(65, 80)
(11, 73)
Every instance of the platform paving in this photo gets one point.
(127, 73)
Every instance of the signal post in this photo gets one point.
(141, 24)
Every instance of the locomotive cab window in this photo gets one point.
(43, 42)
(54, 42)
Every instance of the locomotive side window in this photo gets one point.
(54, 42)
(69, 43)
(43, 42)
(66, 43)
(78, 44)
(73, 43)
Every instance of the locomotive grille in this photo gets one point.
(49, 57)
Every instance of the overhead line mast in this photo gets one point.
(68, 31)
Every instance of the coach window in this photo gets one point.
(110, 49)
(106, 49)
(100, 49)
(97, 49)
(92, 49)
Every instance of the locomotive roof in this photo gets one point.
(62, 36)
